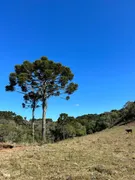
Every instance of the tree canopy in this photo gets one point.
(45, 78)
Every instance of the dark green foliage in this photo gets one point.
(79, 129)
(18, 119)
(128, 112)
(89, 121)
(7, 115)
(50, 128)
(68, 127)
(100, 125)
(44, 78)
(14, 128)
(62, 132)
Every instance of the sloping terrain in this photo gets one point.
(107, 155)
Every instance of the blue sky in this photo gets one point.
(95, 38)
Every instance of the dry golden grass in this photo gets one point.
(108, 155)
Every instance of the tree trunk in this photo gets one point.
(33, 125)
(44, 107)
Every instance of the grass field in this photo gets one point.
(107, 155)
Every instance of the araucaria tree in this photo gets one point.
(44, 77)
(31, 100)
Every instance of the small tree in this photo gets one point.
(18, 119)
(62, 121)
(45, 77)
(31, 101)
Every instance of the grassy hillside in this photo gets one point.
(107, 155)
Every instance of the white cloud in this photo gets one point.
(77, 105)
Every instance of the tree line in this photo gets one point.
(17, 129)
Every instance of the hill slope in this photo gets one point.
(107, 155)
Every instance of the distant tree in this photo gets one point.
(115, 115)
(18, 119)
(89, 121)
(50, 130)
(49, 120)
(45, 77)
(80, 130)
(7, 114)
(63, 118)
(128, 111)
(70, 131)
(62, 121)
(101, 124)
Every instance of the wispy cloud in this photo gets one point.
(77, 105)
